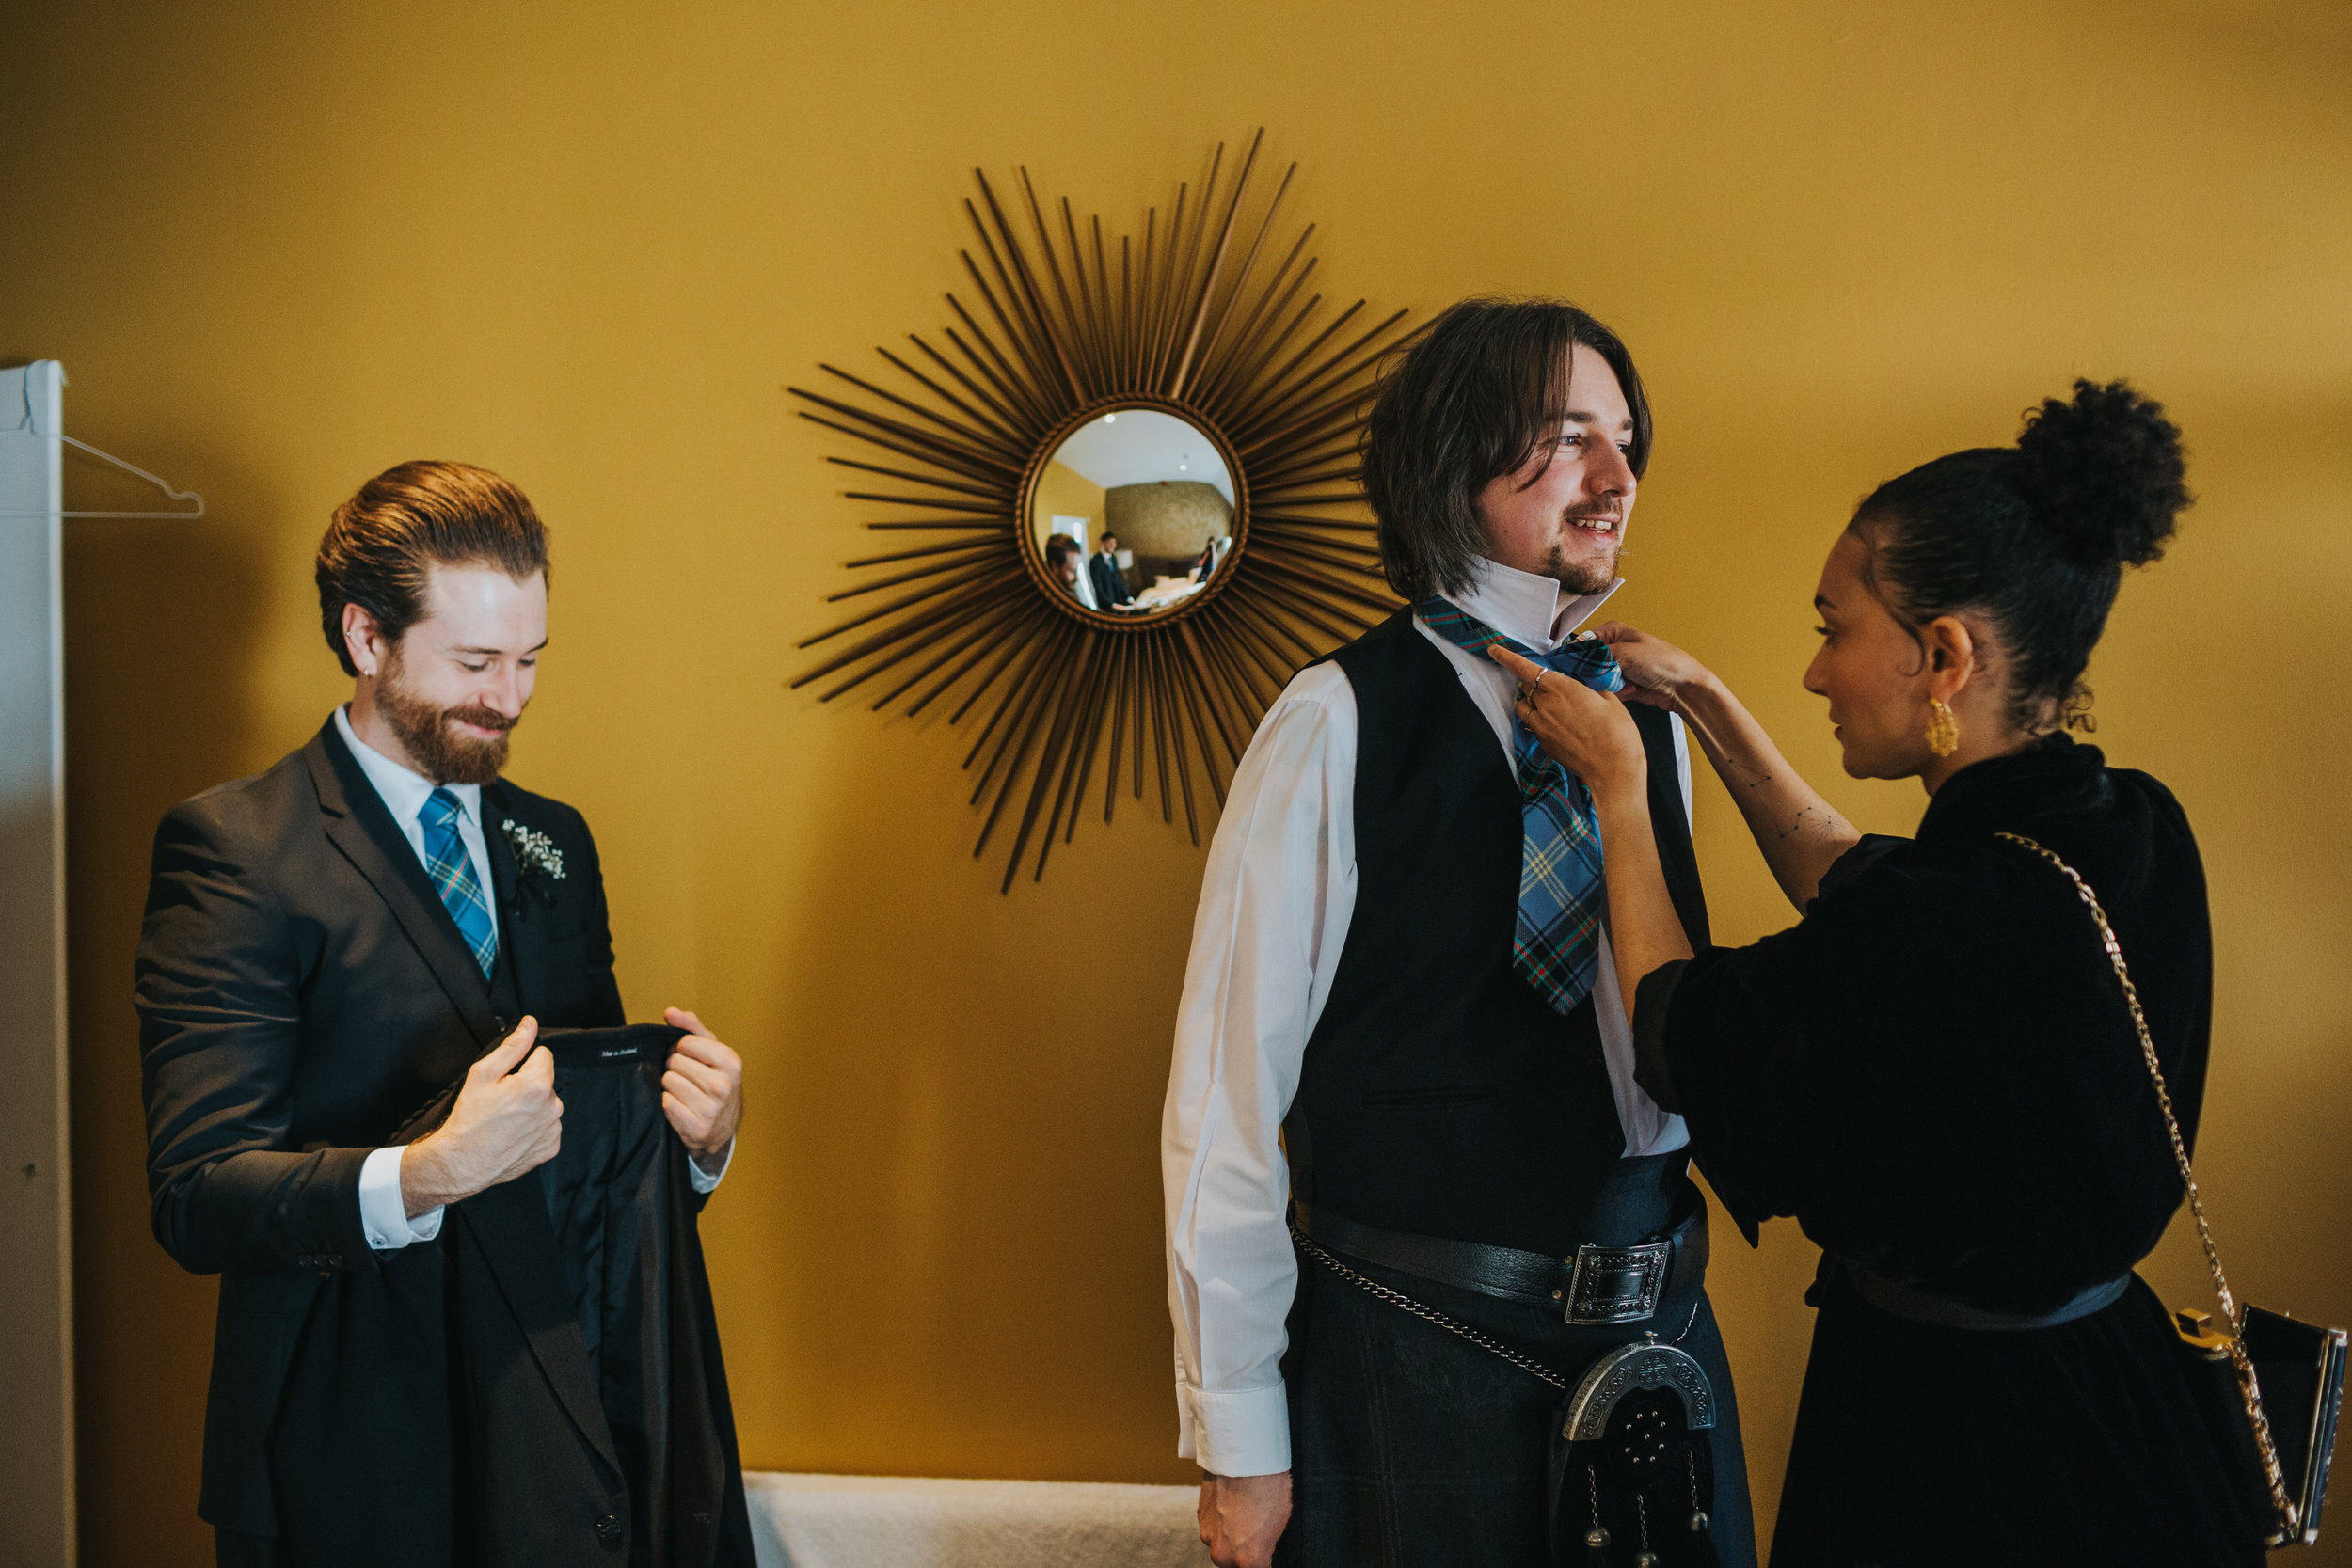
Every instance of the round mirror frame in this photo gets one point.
(1033, 556)
(1181, 319)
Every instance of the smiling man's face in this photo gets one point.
(452, 688)
(1562, 514)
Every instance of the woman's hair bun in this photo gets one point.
(2103, 473)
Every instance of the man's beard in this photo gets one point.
(424, 731)
(1584, 577)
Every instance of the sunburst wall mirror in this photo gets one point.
(1131, 471)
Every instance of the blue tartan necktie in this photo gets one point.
(1562, 894)
(451, 870)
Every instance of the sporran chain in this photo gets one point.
(1430, 1314)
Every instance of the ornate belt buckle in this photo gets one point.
(1616, 1284)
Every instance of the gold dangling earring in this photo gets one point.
(1943, 729)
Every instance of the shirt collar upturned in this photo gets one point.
(404, 790)
(1527, 608)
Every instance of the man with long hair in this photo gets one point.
(1413, 1191)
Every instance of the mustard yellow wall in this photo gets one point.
(1062, 491)
(281, 245)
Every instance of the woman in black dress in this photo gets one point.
(1934, 1070)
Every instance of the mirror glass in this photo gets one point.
(1133, 513)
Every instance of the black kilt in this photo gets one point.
(1412, 1447)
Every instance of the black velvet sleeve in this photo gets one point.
(1748, 1008)
(1867, 852)
(1763, 1051)
(1934, 1071)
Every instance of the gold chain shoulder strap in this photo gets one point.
(2247, 1385)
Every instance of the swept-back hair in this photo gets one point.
(1466, 402)
(383, 542)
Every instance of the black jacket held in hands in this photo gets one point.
(302, 993)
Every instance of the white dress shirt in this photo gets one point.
(1274, 907)
(383, 1213)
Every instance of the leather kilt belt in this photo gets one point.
(1595, 1286)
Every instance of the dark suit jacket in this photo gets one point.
(301, 992)
(1110, 583)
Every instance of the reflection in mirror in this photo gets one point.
(1133, 513)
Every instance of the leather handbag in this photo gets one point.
(2272, 1386)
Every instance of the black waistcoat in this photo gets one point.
(1440, 1094)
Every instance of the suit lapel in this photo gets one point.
(506, 884)
(495, 813)
(359, 824)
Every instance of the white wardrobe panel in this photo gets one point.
(37, 1519)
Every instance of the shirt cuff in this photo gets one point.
(704, 1183)
(383, 1213)
(1241, 1432)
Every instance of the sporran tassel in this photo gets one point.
(1701, 1552)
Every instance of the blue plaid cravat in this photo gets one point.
(451, 870)
(1562, 894)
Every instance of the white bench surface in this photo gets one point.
(812, 1521)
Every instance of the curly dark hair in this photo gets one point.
(382, 544)
(2034, 538)
(1466, 402)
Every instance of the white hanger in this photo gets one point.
(32, 425)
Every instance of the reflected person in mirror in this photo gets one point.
(1401, 1051)
(1062, 563)
(1110, 583)
(327, 944)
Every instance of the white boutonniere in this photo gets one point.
(535, 851)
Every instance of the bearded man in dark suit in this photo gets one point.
(328, 946)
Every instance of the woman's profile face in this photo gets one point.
(1872, 669)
